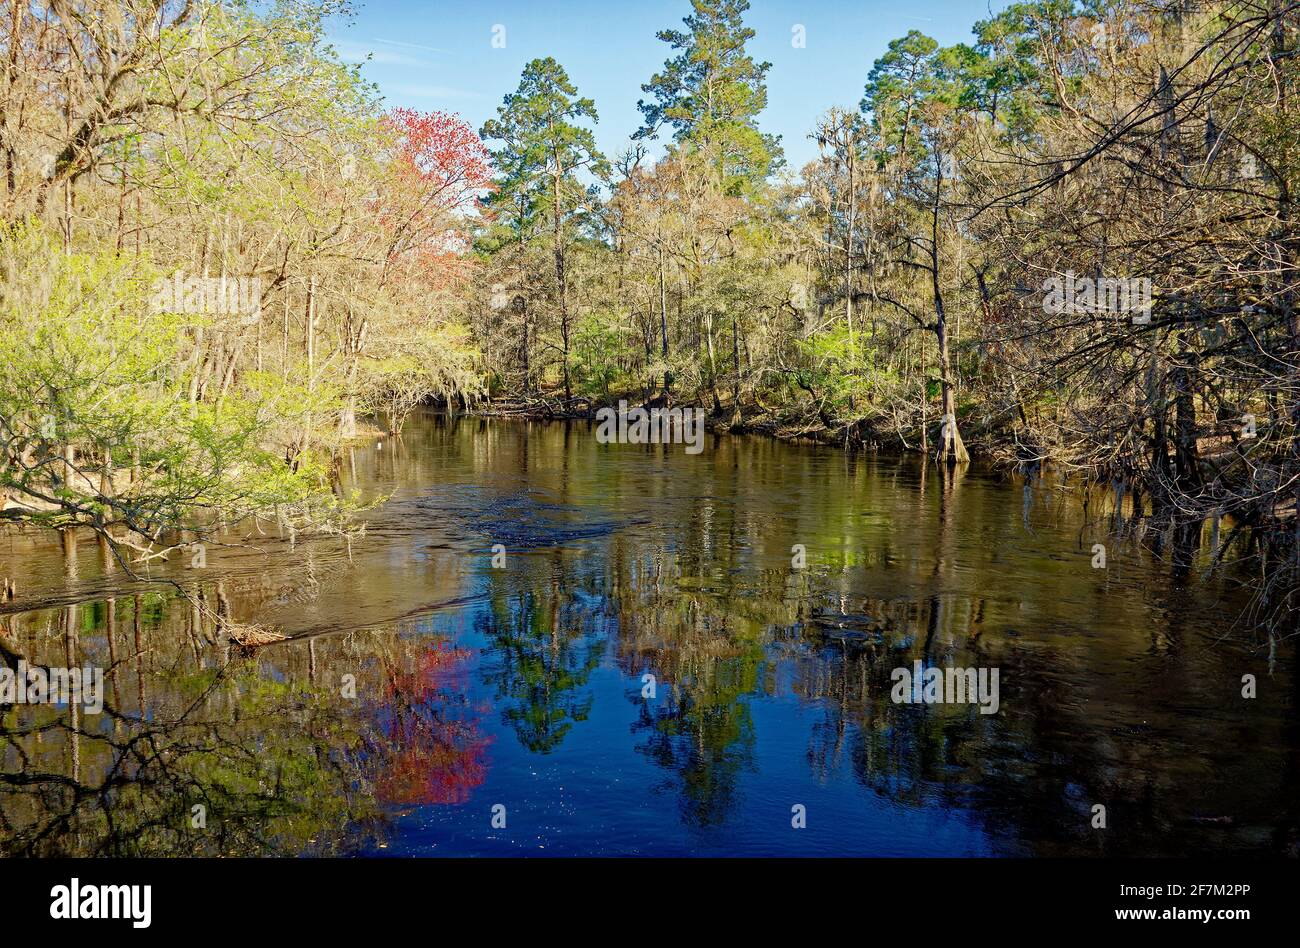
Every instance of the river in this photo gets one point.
(543, 645)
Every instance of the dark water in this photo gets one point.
(421, 687)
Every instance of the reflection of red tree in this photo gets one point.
(436, 753)
(434, 762)
(438, 668)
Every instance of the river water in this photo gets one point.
(543, 645)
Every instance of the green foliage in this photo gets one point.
(598, 345)
(899, 83)
(94, 391)
(543, 148)
(437, 358)
(712, 92)
(855, 380)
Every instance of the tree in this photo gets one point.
(437, 170)
(542, 155)
(711, 94)
(899, 82)
(844, 138)
(95, 429)
(917, 113)
(213, 144)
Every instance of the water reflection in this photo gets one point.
(421, 685)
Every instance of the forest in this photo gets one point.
(1069, 243)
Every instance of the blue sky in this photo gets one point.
(435, 54)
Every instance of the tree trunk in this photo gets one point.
(561, 288)
(735, 384)
(663, 323)
(951, 449)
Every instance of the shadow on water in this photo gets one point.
(616, 650)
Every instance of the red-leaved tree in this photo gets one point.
(439, 170)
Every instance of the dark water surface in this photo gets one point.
(422, 687)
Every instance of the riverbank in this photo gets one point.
(781, 425)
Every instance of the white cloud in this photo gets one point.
(431, 49)
(417, 90)
(360, 52)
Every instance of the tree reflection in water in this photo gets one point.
(438, 752)
(281, 759)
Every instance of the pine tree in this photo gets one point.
(712, 92)
(543, 151)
